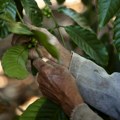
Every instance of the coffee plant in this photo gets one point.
(87, 33)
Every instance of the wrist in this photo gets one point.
(70, 102)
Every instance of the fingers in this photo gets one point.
(47, 69)
(51, 62)
(55, 64)
(38, 63)
(52, 39)
(42, 66)
(20, 39)
(33, 54)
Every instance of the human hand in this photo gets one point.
(56, 83)
(65, 55)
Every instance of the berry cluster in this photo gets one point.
(32, 43)
(47, 11)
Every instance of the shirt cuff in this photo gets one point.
(76, 62)
(83, 112)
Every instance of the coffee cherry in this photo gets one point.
(30, 46)
(47, 12)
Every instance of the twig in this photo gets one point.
(57, 27)
(19, 16)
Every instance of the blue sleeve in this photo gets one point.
(99, 89)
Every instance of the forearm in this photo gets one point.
(97, 88)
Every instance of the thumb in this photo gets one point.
(39, 64)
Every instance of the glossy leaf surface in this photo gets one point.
(48, 2)
(43, 109)
(88, 42)
(19, 28)
(117, 33)
(43, 39)
(106, 10)
(60, 1)
(33, 11)
(6, 6)
(78, 18)
(14, 62)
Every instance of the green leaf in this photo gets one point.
(6, 17)
(43, 109)
(16, 27)
(43, 39)
(48, 2)
(33, 11)
(106, 10)
(117, 33)
(19, 10)
(14, 62)
(19, 28)
(87, 2)
(87, 41)
(16, 117)
(52, 50)
(6, 6)
(78, 18)
(60, 1)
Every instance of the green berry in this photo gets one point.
(36, 42)
(45, 13)
(33, 40)
(46, 7)
(48, 16)
(30, 46)
(49, 10)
